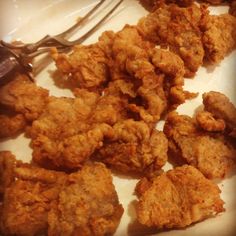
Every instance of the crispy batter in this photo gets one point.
(178, 29)
(221, 107)
(71, 129)
(149, 77)
(23, 96)
(143, 77)
(7, 165)
(87, 66)
(109, 109)
(11, 125)
(40, 201)
(172, 67)
(87, 204)
(212, 154)
(131, 63)
(28, 200)
(134, 149)
(178, 198)
(209, 123)
(219, 37)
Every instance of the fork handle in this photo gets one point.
(9, 63)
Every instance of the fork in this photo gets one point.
(18, 57)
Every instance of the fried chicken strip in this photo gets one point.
(213, 154)
(40, 201)
(177, 198)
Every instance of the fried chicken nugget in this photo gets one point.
(213, 154)
(87, 66)
(177, 28)
(220, 106)
(24, 97)
(151, 77)
(28, 200)
(40, 201)
(87, 204)
(177, 198)
(219, 37)
(71, 129)
(134, 149)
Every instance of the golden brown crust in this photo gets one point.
(178, 198)
(212, 154)
(87, 66)
(219, 37)
(25, 97)
(71, 129)
(40, 201)
(88, 204)
(178, 29)
(7, 165)
(134, 148)
(11, 125)
(222, 108)
(209, 123)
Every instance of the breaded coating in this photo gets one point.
(219, 36)
(177, 198)
(87, 66)
(71, 129)
(134, 149)
(40, 201)
(221, 107)
(150, 78)
(7, 165)
(87, 204)
(11, 125)
(131, 63)
(28, 200)
(209, 123)
(213, 154)
(178, 29)
(23, 96)
(146, 80)
(172, 66)
(109, 109)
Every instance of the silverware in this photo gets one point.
(15, 57)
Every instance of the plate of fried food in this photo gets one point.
(129, 131)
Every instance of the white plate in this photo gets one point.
(30, 20)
